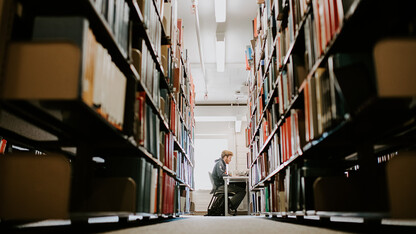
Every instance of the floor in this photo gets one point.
(212, 225)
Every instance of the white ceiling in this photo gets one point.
(221, 86)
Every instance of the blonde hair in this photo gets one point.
(226, 153)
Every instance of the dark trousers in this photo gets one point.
(240, 191)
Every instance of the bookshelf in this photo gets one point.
(103, 94)
(324, 128)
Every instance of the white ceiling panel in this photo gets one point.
(221, 86)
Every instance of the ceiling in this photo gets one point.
(222, 87)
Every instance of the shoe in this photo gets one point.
(230, 206)
(232, 212)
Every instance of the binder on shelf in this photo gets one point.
(394, 58)
(113, 194)
(29, 193)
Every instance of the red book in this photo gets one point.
(173, 117)
(289, 136)
(180, 28)
(141, 125)
(322, 24)
(264, 128)
(327, 16)
(164, 187)
(3, 144)
(331, 4)
(177, 78)
(171, 147)
(339, 14)
(167, 150)
(317, 22)
(282, 153)
(261, 99)
(172, 195)
(283, 136)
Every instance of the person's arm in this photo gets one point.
(220, 170)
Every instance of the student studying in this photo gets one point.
(238, 189)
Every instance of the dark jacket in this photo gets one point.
(218, 172)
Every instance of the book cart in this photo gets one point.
(332, 112)
(99, 95)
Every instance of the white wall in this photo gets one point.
(207, 151)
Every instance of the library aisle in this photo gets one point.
(119, 111)
(229, 224)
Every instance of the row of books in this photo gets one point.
(283, 194)
(287, 143)
(117, 15)
(270, 198)
(292, 134)
(156, 189)
(321, 114)
(264, 30)
(322, 25)
(324, 104)
(151, 23)
(291, 78)
(185, 110)
(147, 69)
(289, 81)
(184, 200)
(322, 185)
(167, 153)
(158, 142)
(261, 167)
(184, 169)
(172, 106)
(146, 125)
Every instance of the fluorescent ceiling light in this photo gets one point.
(220, 9)
(215, 118)
(220, 52)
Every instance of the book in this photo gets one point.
(3, 144)
(338, 105)
(141, 184)
(148, 188)
(137, 60)
(167, 17)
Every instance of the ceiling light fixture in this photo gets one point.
(220, 10)
(220, 52)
